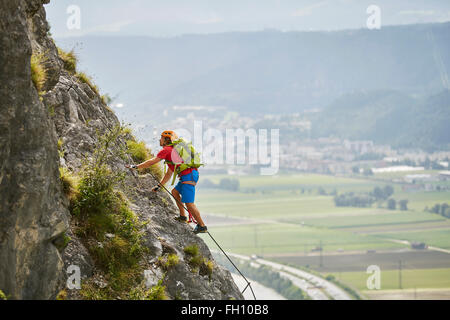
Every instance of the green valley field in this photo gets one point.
(289, 218)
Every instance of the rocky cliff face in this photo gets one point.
(32, 214)
(34, 211)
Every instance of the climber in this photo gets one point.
(184, 191)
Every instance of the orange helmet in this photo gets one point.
(170, 134)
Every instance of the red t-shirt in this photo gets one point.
(170, 154)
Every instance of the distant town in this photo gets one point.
(326, 155)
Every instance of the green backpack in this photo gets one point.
(191, 158)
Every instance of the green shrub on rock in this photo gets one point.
(108, 228)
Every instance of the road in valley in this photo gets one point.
(315, 287)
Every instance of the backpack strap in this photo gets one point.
(175, 173)
(176, 168)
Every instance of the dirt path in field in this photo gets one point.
(409, 244)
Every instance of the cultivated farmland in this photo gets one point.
(293, 219)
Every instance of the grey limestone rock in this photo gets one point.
(34, 215)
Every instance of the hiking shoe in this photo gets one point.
(181, 219)
(200, 229)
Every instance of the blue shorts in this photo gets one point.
(187, 191)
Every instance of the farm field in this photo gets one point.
(408, 294)
(371, 218)
(358, 262)
(379, 229)
(437, 238)
(277, 206)
(410, 278)
(288, 217)
(297, 182)
(418, 201)
(298, 195)
(272, 238)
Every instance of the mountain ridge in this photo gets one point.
(270, 70)
(388, 117)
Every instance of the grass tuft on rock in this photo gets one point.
(84, 78)
(191, 250)
(69, 59)
(168, 261)
(62, 295)
(157, 292)
(69, 183)
(38, 71)
(197, 262)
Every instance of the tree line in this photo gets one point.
(440, 208)
(365, 200)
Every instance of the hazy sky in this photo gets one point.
(175, 17)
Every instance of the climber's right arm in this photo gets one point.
(145, 164)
